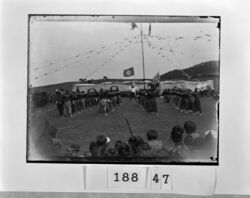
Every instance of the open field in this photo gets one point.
(85, 127)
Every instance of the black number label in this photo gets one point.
(166, 178)
(134, 177)
(156, 179)
(116, 177)
(125, 177)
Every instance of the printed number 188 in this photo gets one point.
(126, 177)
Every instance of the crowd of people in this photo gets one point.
(187, 144)
(184, 100)
(70, 104)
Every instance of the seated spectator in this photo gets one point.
(122, 149)
(93, 150)
(72, 151)
(138, 146)
(111, 152)
(102, 143)
(153, 141)
(179, 150)
(156, 148)
(192, 137)
(209, 144)
(75, 148)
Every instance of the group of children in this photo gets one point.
(71, 104)
(108, 102)
(136, 146)
(187, 145)
(184, 100)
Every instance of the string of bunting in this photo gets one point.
(121, 44)
(88, 53)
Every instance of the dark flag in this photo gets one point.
(149, 30)
(129, 72)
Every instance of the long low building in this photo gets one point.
(126, 85)
(184, 84)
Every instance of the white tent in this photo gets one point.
(183, 84)
(126, 85)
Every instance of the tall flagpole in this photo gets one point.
(143, 66)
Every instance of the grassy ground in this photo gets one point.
(83, 128)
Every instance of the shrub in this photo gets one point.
(40, 99)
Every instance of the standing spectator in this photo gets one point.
(67, 105)
(197, 103)
(103, 105)
(60, 102)
(132, 94)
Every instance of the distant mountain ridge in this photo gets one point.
(205, 69)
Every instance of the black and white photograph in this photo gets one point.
(123, 89)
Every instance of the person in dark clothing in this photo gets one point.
(197, 103)
(93, 148)
(192, 138)
(138, 146)
(122, 149)
(102, 143)
(60, 102)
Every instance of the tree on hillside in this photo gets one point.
(82, 80)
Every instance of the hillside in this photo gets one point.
(207, 69)
(51, 88)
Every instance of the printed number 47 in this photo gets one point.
(156, 178)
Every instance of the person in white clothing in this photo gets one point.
(132, 93)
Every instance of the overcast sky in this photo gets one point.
(63, 51)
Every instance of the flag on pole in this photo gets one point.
(129, 72)
(149, 30)
(157, 77)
